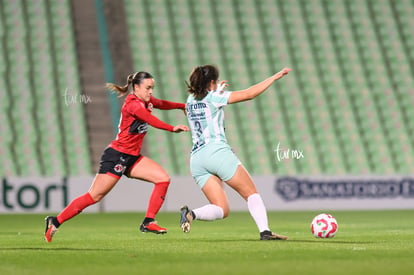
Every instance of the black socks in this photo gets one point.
(55, 222)
(147, 220)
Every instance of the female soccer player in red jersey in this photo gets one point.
(122, 156)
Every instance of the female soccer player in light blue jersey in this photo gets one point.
(212, 160)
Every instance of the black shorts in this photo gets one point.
(116, 164)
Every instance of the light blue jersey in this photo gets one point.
(206, 118)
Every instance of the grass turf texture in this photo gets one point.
(368, 242)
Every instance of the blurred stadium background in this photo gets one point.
(348, 104)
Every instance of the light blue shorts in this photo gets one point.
(213, 159)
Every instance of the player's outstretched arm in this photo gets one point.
(255, 90)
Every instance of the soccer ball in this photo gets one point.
(324, 226)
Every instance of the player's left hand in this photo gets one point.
(221, 85)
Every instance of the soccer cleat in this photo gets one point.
(186, 219)
(270, 236)
(152, 227)
(50, 229)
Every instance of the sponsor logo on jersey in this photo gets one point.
(150, 107)
(196, 106)
(138, 127)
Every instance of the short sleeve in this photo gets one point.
(219, 99)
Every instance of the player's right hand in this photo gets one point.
(181, 128)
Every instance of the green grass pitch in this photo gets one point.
(368, 242)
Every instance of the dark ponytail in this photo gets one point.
(200, 79)
(132, 79)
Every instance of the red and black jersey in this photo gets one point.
(134, 120)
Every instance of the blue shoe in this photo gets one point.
(186, 219)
